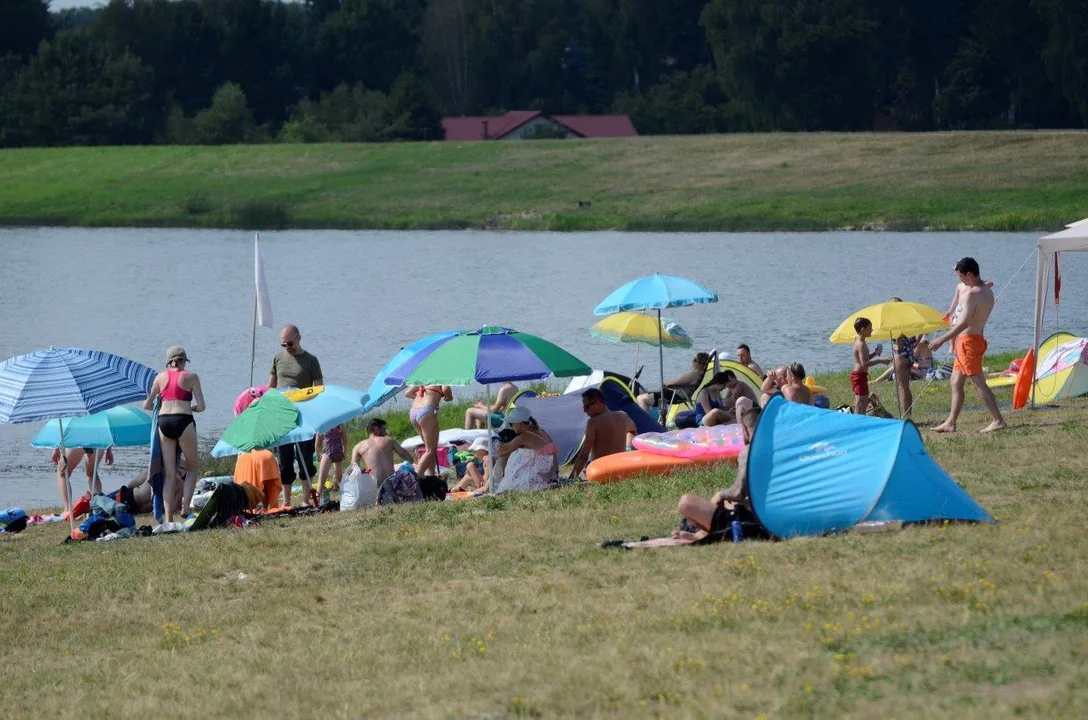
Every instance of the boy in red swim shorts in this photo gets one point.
(859, 375)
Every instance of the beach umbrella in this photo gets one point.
(656, 292)
(379, 392)
(121, 426)
(488, 355)
(264, 422)
(316, 410)
(892, 319)
(61, 383)
(640, 328)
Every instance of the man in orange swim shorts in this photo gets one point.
(977, 302)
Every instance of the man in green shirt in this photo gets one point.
(293, 367)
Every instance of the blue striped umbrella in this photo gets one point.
(68, 382)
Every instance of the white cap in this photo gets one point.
(479, 444)
(518, 415)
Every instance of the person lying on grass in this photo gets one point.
(714, 516)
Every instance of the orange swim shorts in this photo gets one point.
(969, 352)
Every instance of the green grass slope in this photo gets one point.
(981, 180)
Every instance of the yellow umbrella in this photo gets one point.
(892, 319)
(636, 327)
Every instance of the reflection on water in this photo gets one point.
(360, 296)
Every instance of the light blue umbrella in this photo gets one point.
(330, 407)
(379, 391)
(61, 383)
(656, 292)
(122, 426)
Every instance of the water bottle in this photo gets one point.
(737, 530)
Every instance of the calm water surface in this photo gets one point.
(360, 296)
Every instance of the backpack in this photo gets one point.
(400, 487)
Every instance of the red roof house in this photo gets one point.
(522, 124)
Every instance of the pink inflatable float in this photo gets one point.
(247, 397)
(723, 441)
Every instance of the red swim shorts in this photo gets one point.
(969, 352)
(859, 382)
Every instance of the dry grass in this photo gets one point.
(505, 607)
(983, 180)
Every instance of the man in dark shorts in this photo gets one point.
(294, 368)
(713, 517)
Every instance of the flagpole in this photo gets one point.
(253, 329)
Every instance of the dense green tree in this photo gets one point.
(681, 104)
(23, 24)
(343, 115)
(74, 91)
(1065, 52)
(412, 111)
(227, 121)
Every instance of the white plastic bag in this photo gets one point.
(357, 490)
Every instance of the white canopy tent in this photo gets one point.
(1073, 239)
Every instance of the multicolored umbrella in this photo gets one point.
(892, 319)
(122, 426)
(379, 392)
(488, 355)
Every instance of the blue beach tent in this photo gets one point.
(813, 471)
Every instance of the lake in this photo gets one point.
(360, 296)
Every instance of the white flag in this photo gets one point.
(264, 304)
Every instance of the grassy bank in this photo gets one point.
(945, 181)
(505, 607)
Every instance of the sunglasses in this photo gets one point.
(587, 406)
(289, 343)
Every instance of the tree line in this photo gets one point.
(230, 71)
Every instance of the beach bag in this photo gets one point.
(876, 408)
(357, 490)
(400, 487)
(433, 487)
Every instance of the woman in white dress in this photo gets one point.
(531, 458)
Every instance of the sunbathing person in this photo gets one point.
(607, 431)
(772, 385)
(795, 389)
(692, 377)
(714, 516)
(531, 460)
(735, 390)
(476, 417)
(478, 472)
(375, 454)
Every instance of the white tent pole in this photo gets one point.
(1042, 283)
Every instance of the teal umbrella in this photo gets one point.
(264, 422)
(122, 426)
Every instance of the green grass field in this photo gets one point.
(944, 181)
(506, 607)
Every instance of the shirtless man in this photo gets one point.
(735, 391)
(795, 389)
(375, 454)
(744, 357)
(976, 304)
(772, 385)
(607, 431)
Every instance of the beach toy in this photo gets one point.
(1022, 389)
(716, 441)
(247, 397)
(639, 463)
(810, 383)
